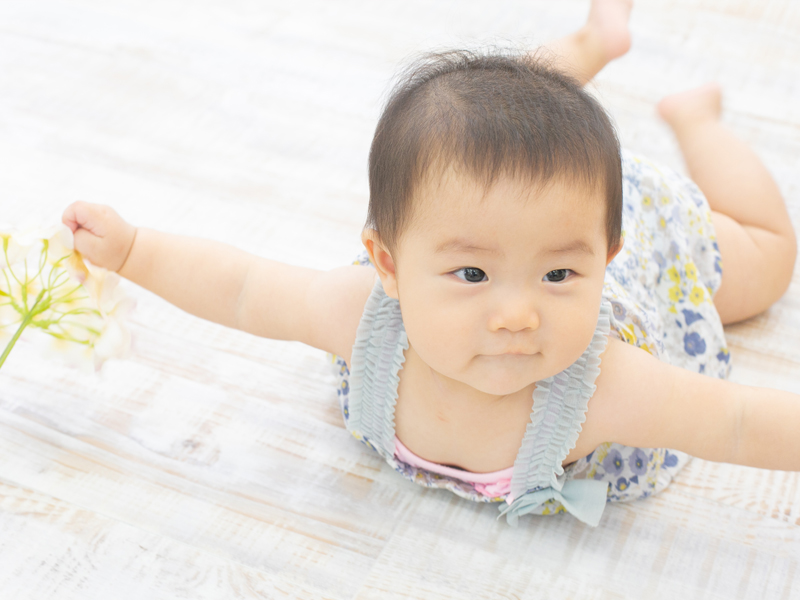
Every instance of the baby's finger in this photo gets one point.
(79, 215)
(69, 218)
(87, 244)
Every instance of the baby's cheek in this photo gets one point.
(440, 340)
(577, 336)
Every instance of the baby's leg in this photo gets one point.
(603, 38)
(754, 232)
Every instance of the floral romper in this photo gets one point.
(657, 295)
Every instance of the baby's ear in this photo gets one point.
(382, 260)
(613, 252)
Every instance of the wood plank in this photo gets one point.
(82, 554)
(667, 546)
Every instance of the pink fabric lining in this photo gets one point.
(494, 484)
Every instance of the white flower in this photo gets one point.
(79, 305)
(97, 331)
(19, 243)
(67, 352)
(114, 342)
(106, 296)
(12, 253)
(34, 233)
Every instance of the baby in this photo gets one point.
(537, 316)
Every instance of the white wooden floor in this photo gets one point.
(212, 464)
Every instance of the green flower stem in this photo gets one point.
(25, 322)
(5, 253)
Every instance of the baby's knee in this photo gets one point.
(782, 254)
(791, 252)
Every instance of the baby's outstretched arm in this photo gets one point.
(226, 285)
(641, 401)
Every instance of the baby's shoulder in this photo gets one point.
(632, 389)
(618, 362)
(336, 302)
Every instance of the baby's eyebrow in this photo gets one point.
(461, 245)
(573, 247)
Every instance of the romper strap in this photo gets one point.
(560, 403)
(583, 498)
(378, 356)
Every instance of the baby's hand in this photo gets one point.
(101, 235)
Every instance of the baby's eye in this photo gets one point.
(471, 274)
(557, 275)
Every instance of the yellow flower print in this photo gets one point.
(697, 295)
(627, 334)
(647, 203)
(665, 199)
(673, 310)
(602, 451)
(673, 274)
(662, 222)
(691, 271)
(675, 293)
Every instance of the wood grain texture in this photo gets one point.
(213, 464)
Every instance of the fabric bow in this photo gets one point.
(583, 498)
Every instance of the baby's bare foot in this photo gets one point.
(608, 22)
(698, 104)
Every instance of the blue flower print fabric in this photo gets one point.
(660, 287)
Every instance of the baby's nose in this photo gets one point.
(515, 312)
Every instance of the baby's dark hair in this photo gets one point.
(490, 114)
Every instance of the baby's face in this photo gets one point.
(500, 289)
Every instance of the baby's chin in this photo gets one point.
(500, 390)
(504, 375)
(508, 374)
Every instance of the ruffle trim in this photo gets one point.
(378, 355)
(560, 403)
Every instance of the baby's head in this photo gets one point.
(495, 206)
